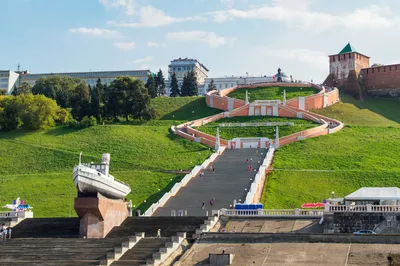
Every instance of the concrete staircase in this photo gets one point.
(55, 251)
(169, 226)
(142, 251)
(47, 227)
(230, 181)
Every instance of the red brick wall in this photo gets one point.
(383, 77)
(341, 64)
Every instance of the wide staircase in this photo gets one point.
(51, 242)
(142, 251)
(230, 182)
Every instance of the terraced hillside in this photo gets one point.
(365, 153)
(229, 133)
(37, 166)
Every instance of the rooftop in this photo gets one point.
(348, 49)
(375, 193)
(189, 60)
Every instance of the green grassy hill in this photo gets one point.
(272, 93)
(37, 166)
(229, 133)
(365, 153)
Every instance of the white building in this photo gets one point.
(8, 79)
(89, 77)
(182, 66)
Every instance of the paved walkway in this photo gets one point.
(229, 182)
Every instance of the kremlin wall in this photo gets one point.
(351, 70)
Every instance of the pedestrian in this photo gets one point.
(159, 233)
(234, 229)
(213, 170)
(9, 232)
(211, 166)
(202, 206)
(211, 202)
(5, 234)
(247, 161)
(1, 233)
(251, 160)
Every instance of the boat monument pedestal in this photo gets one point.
(98, 215)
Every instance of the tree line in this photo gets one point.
(156, 85)
(124, 97)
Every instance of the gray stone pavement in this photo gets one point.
(230, 181)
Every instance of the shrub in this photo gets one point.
(88, 122)
(72, 123)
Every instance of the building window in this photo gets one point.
(179, 69)
(349, 56)
(373, 71)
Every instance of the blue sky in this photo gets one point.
(230, 37)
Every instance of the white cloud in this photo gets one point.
(228, 3)
(125, 46)
(128, 6)
(156, 44)
(105, 33)
(143, 60)
(151, 17)
(209, 38)
(317, 59)
(298, 13)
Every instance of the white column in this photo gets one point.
(251, 110)
(247, 97)
(230, 104)
(326, 99)
(302, 103)
(276, 137)
(275, 110)
(211, 100)
(284, 97)
(217, 141)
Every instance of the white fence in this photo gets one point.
(260, 176)
(362, 208)
(18, 214)
(273, 213)
(257, 124)
(195, 171)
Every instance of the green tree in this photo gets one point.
(9, 119)
(36, 111)
(80, 101)
(129, 98)
(185, 86)
(61, 116)
(3, 92)
(174, 91)
(95, 100)
(22, 89)
(211, 86)
(151, 86)
(59, 88)
(160, 83)
(193, 89)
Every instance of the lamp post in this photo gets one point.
(70, 199)
(342, 118)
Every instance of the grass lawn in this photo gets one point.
(365, 153)
(37, 166)
(257, 131)
(272, 93)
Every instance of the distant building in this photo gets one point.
(89, 77)
(182, 66)
(346, 60)
(8, 79)
(223, 83)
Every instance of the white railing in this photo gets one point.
(8, 214)
(257, 124)
(273, 213)
(362, 208)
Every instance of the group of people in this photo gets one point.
(249, 164)
(211, 202)
(5, 233)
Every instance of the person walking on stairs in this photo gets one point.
(202, 206)
(159, 233)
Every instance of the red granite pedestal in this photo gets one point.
(99, 215)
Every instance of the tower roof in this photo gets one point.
(348, 49)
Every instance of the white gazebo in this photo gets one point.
(374, 196)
